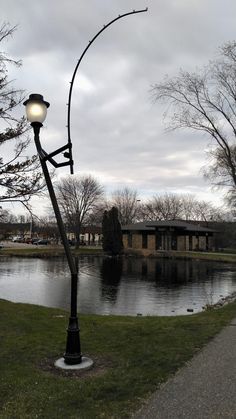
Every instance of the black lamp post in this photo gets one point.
(36, 110)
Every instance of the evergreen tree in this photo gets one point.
(112, 234)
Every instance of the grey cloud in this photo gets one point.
(117, 131)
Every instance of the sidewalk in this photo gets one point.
(204, 388)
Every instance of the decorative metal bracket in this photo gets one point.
(73, 77)
(49, 157)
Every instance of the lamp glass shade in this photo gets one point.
(36, 111)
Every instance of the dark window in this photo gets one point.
(129, 240)
(144, 241)
(190, 243)
(158, 241)
(173, 242)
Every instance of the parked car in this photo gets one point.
(42, 241)
(34, 240)
(18, 239)
(73, 242)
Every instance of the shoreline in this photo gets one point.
(223, 301)
(50, 251)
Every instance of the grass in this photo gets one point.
(133, 356)
(52, 251)
(49, 251)
(213, 256)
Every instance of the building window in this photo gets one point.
(129, 240)
(144, 241)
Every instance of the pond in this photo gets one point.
(123, 286)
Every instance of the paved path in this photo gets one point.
(204, 388)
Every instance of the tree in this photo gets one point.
(112, 233)
(179, 206)
(96, 215)
(205, 101)
(4, 215)
(163, 207)
(205, 211)
(46, 227)
(19, 176)
(78, 196)
(127, 203)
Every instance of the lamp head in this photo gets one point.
(36, 108)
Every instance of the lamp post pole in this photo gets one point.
(36, 112)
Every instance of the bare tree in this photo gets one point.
(206, 101)
(78, 197)
(178, 206)
(4, 215)
(19, 175)
(205, 211)
(127, 202)
(45, 226)
(96, 215)
(163, 207)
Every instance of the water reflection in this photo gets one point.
(118, 285)
(111, 271)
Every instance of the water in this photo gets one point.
(118, 286)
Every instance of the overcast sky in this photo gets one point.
(117, 132)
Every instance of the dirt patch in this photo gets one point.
(100, 366)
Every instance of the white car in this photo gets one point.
(17, 239)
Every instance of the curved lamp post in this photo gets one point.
(76, 69)
(36, 111)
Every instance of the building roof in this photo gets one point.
(138, 226)
(178, 224)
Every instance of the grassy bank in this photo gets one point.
(214, 256)
(49, 251)
(132, 355)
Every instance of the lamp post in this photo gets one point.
(36, 111)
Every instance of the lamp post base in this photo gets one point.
(85, 363)
(73, 352)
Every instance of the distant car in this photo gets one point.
(18, 239)
(34, 240)
(43, 241)
(73, 242)
(1, 246)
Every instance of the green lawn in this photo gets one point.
(46, 251)
(214, 256)
(132, 355)
(52, 251)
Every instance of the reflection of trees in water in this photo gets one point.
(56, 266)
(168, 272)
(165, 272)
(111, 272)
(177, 272)
(171, 273)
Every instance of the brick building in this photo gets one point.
(168, 235)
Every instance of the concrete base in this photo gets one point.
(85, 364)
